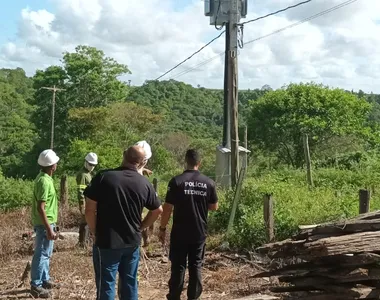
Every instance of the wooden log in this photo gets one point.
(355, 277)
(346, 244)
(326, 264)
(336, 229)
(368, 216)
(352, 243)
(344, 294)
(281, 246)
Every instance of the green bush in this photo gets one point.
(334, 197)
(15, 193)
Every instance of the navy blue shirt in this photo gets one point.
(190, 193)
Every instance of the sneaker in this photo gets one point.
(39, 292)
(49, 285)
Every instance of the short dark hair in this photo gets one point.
(192, 157)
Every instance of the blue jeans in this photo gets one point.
(43, 249)
(107, 262)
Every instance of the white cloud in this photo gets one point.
(151, 36)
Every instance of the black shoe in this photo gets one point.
(49, 285)
(39, 292)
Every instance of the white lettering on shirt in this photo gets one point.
(197, 186)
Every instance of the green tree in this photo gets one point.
(90, 79)
(108, 130)
(93, 78)
(196, 111)
(277, 121)
(17, 134)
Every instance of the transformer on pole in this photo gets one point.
(228, 156)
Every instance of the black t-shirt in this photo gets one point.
(190, 193)
(121, 194)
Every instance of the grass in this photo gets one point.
(335, 196)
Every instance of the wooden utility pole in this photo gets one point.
(307, 160)
(54, 89)
(226, 105)
(234, 19)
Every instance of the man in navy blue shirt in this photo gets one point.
(190, 195)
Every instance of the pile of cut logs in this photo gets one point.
(336, 261)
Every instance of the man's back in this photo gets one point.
(190, 193)
(121, 194)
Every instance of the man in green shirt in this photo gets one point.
(84, 178)
(44, 218)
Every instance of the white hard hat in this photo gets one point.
(92, 158)
(47, 158)
(146, 147)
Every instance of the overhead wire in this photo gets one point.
(276, 12)
(191, 56)
(322, 13)
(240, 40)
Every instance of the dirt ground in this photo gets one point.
(225, 275)
(224, 278)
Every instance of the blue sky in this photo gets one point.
(314, 51)
(10, 14)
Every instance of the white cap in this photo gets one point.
(146, 147)
(47, 158)
(92, 158)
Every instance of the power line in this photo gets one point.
(322, 13)
(276, 12)
(182, 62)
(219, 28)
(327, 11)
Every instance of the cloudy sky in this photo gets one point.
(340, 49)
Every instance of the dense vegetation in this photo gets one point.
(99, 112)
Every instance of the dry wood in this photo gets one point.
(282, 246)
(352, 243)
(326, 264)
(346, 244)
(348, 227)
(347, 294)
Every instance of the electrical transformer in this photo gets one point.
(218, 10)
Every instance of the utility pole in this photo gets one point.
(234, 18)
(227, 14)
(54, 89)
(226, 106)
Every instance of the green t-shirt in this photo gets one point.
(44, 191)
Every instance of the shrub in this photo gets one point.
(334, 197)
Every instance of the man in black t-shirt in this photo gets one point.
(114, 203)
(191, 195)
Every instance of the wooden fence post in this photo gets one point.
(269, 217)
(64, 191)
(155, 184)
(308, 160)
(364, 201)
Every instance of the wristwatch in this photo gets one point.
(162, 229)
